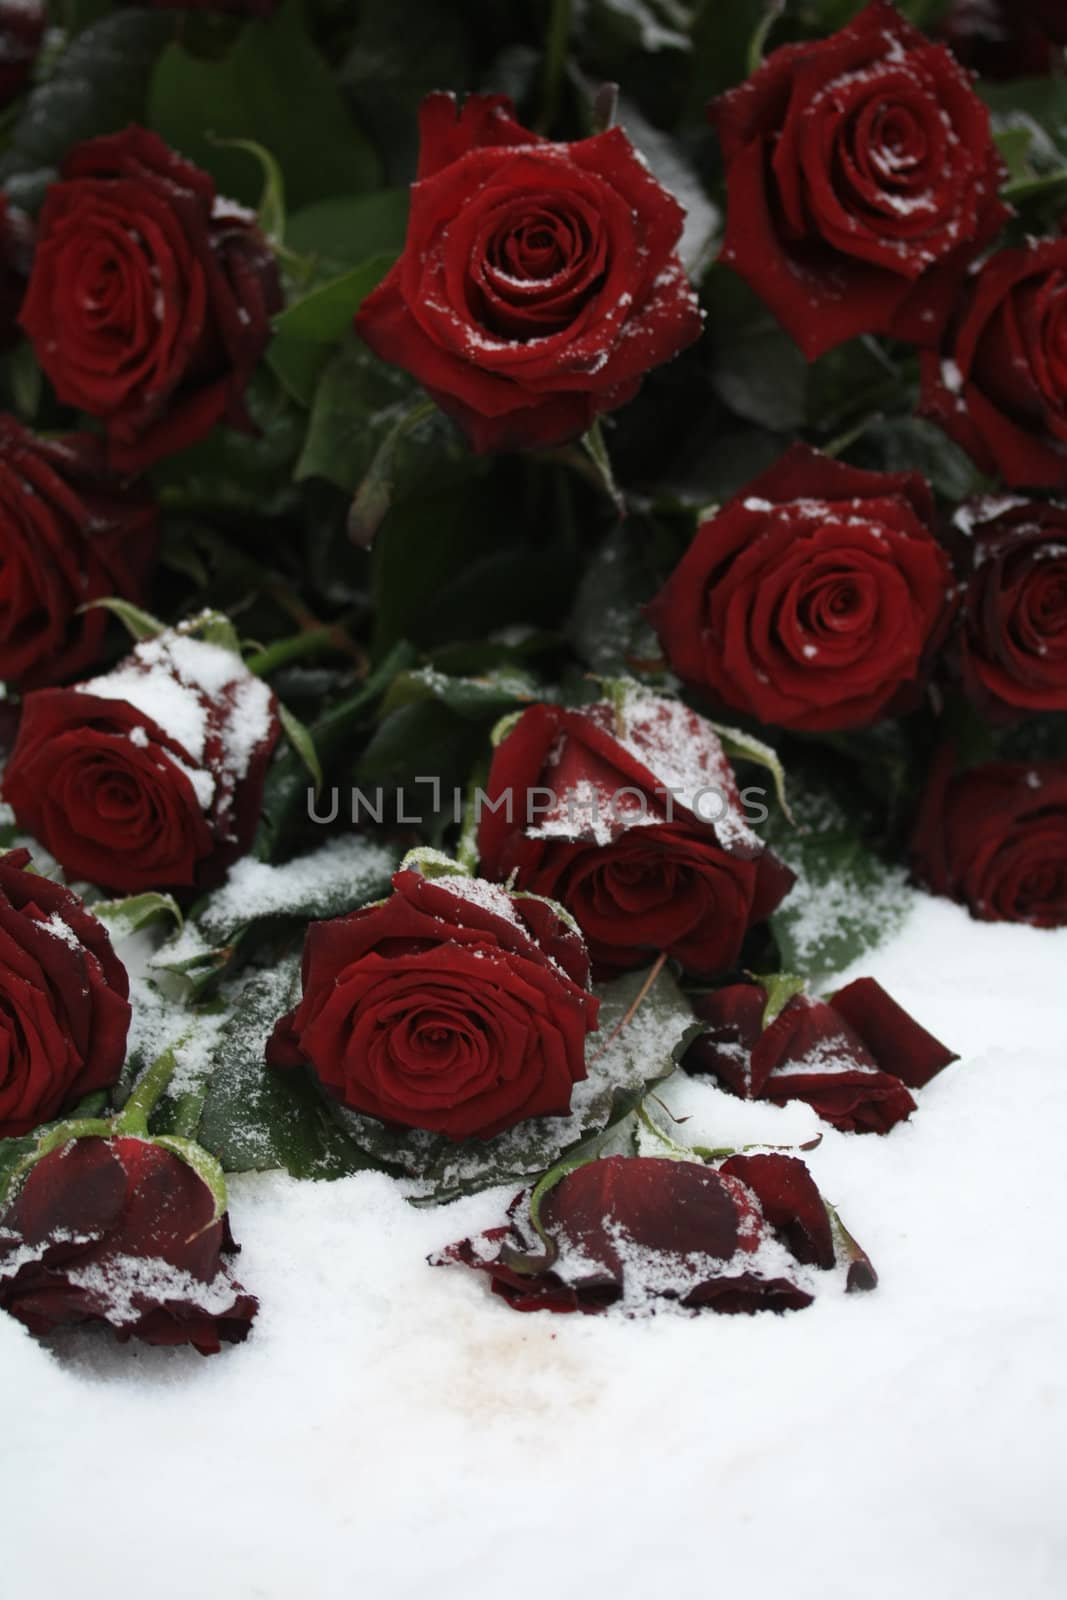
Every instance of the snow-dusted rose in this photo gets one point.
(64, 1009)
(994, 837)
(69, 534)
(861, 179)
(539, 282)
(150, 299)
(121, 1231)
(852, 1058)
(639, 1231)
(815, 599)
(151, 776)
(451, 1006)
(629, 814)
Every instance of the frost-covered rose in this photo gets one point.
(814, 599)
(64, 1010)
(852, 1058)
(998, 384)
(639, 1231)
(69, 534)
(994, 837)
(150, 299)
(121, 1231)
(861, 178)
(451, 1006)
(1012, 639)
(539, 281)
(151, 776)
(629, 814)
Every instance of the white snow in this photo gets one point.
(392, 1429)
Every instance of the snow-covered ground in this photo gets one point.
(391, 1430)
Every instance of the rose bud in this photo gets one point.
(65, 1011)
(22, 24)
(638, 1231)
(150, 299)
(151, 776)
(643, 836)
(998, 385)
(815, 599)
(1007, 38)
(994, 838)
(69, 535)
(451, 1006)
(539, 282)
(1012, 641)
(861, 179)
(852, 1058)
(122, 1231)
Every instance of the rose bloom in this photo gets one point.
(451, 1006)
(22, 24)
(852, 1058)
(539, 282)
(123, 1232)
(64, 1013)
(994, 837)
(69, 534)
(1012, 639)
(150, 299)
(998, 385)
(641, 1231)
(643, 837)
(814, 599)
(150, 777)
(861, 178)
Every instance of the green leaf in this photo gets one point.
(350, 228)
(136, 911)
(270, 210)
(138, 624)
(346, 872)
(304, 332)
(274, 88)
(98, 86)
(623, 1059)
(300, 738)
(254, 1118)
(472, 698)
(911, 444)
(743, 746)
(847, 899)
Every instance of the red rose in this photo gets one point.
(22, 24)
(150, 299)
(814, 599)
(995, 839)
(861, 178)
(64, 1014)
(640, 1230)
(1013, 620)
(121, 1231)
(451, 1006)
(998, 386)
(539, 281)
(150, 777)
(641, 836)
(852, 1058)
(68, 535)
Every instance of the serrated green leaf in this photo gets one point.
(255, 1119)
